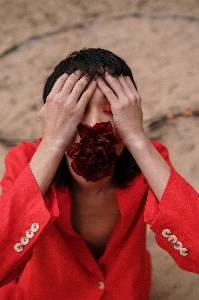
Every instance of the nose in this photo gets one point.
(92, 117)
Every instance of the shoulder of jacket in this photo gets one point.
(24, 148)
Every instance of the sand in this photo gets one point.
(160, 42)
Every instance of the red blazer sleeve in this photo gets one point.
(175, 219)
(24, 213)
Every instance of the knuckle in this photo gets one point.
(72, 77)
(49, 98)
(42, 111)
(108, 91)
(112, 79)
(87, 94)
(133, 98)
(58, 98)
(75, 74)
(55, 100)
(121, 106)
(81, 84)
(61, 80)
(62, 77)
(77, 111)
(124, 101)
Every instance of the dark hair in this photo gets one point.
(94, 62)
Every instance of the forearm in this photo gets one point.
(128, 118)
(62, 112)
(176, 217)
(153, 166)
(21, 204)
(45, 163)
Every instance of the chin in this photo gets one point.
(78, 179)
(83, 182)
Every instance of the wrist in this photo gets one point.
(138, 142)
(54, 146)
(51, 150)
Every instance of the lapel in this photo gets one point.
(129, 202)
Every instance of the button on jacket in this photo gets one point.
(42, 257)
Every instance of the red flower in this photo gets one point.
(94, 157)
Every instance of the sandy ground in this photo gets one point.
(160, 42)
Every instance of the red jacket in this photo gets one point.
(41, 257)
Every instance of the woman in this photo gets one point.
(73, 224)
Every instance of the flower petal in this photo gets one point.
(94, 157)
(83, 129)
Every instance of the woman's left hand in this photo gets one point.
(126, 107)
(128, 118)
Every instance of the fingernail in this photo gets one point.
(77, 72)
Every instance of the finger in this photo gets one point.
(129, 93)
(115, 85)
(80, 86)
(106, 90)
(71, 82)
(59, 84)
(87, 94)
(132, 87)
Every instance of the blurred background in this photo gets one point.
(160, 42)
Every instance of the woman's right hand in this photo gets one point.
(64, 108)
(62, 112)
